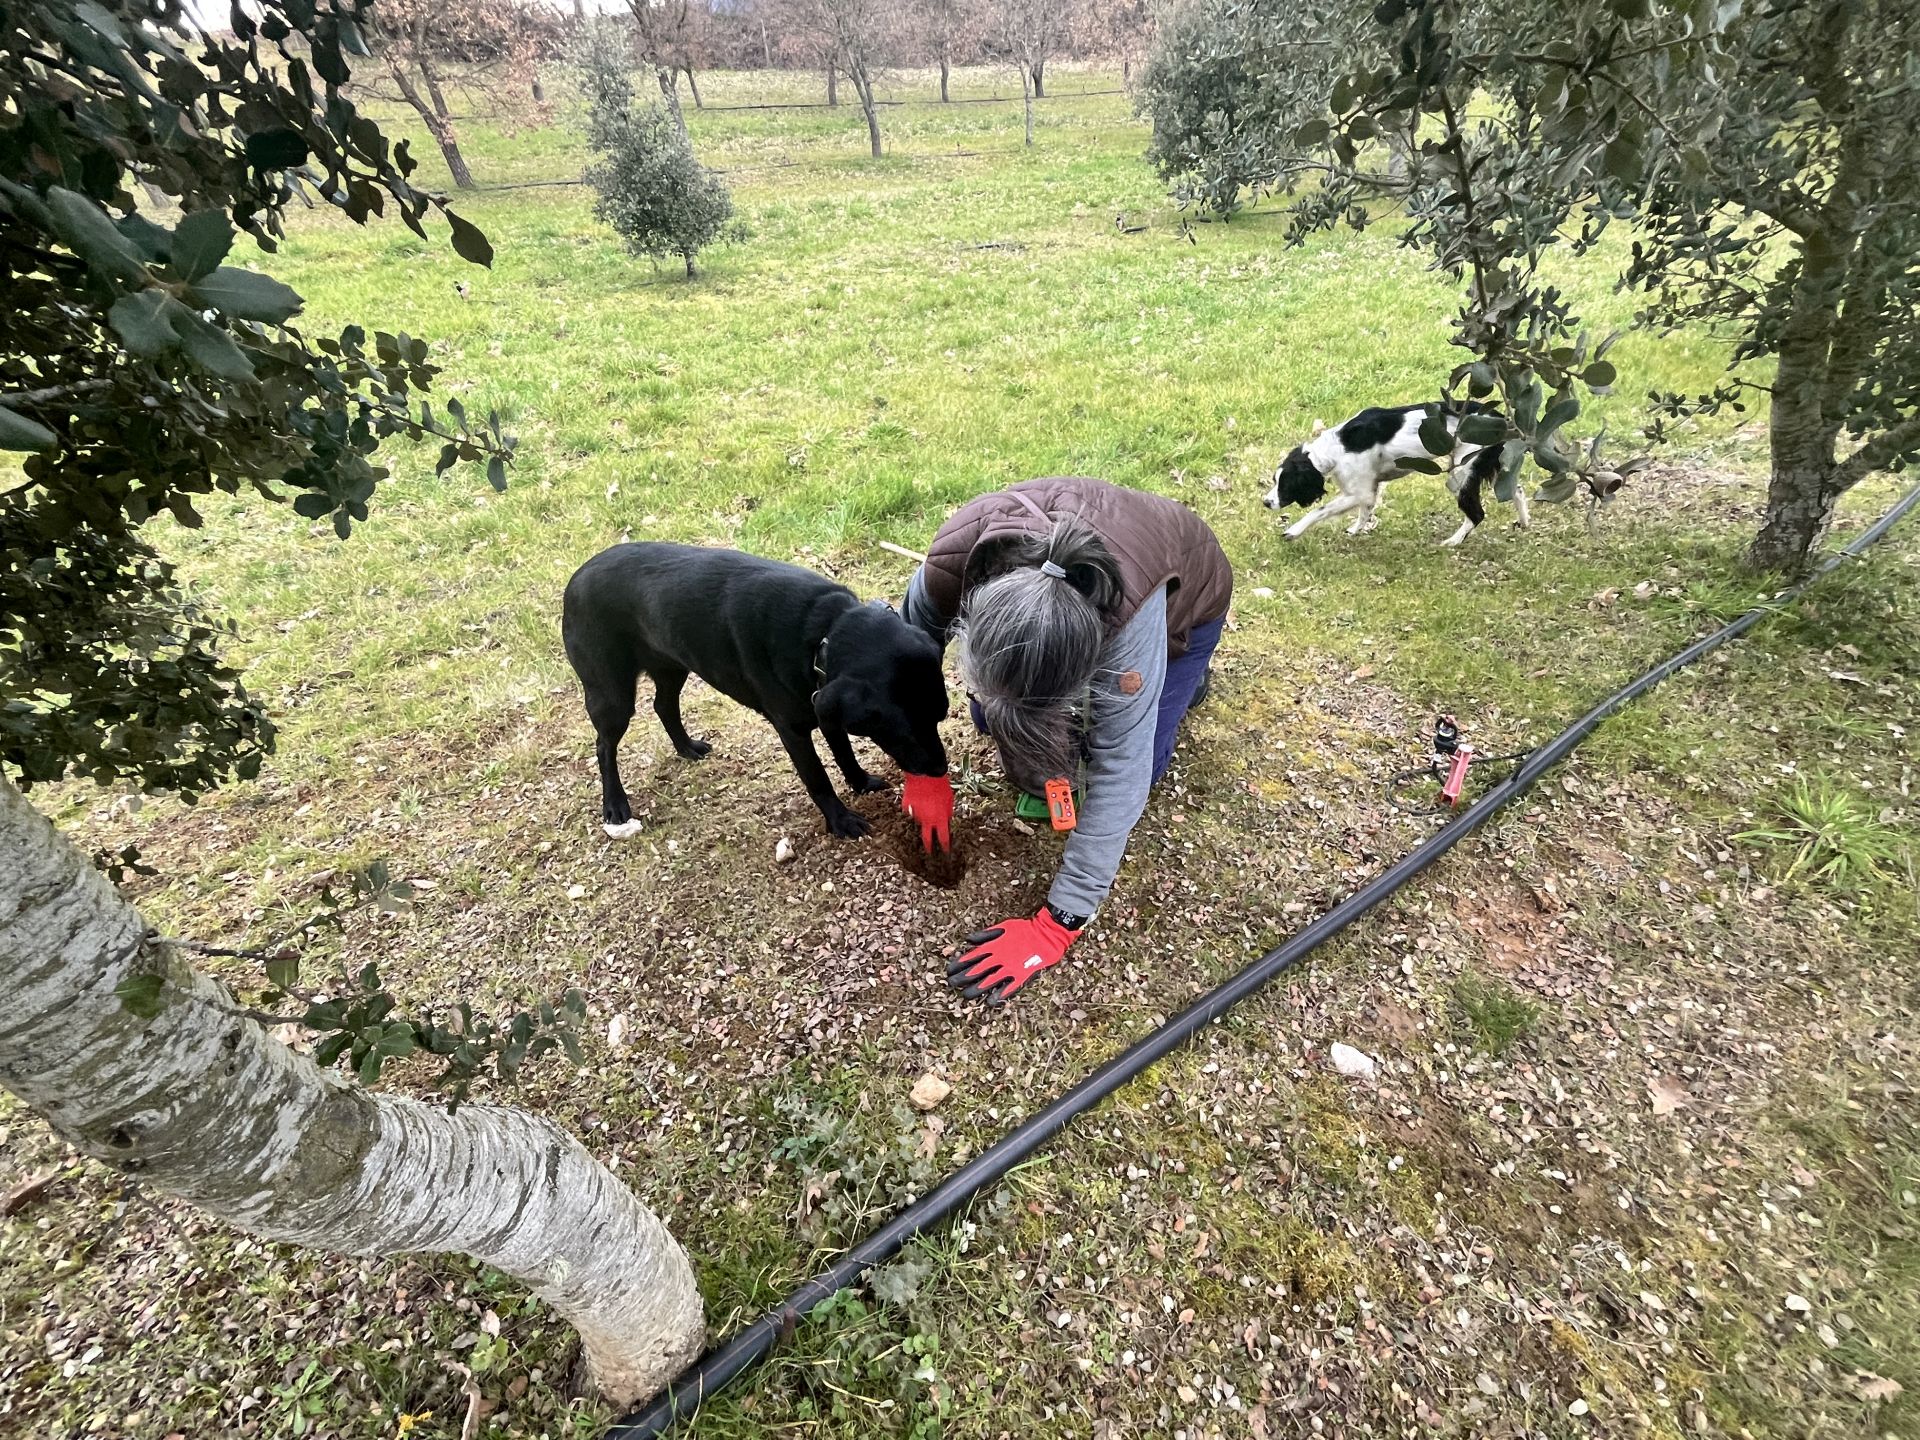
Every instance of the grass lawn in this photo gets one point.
(1643, 1154)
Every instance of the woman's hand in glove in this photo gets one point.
(929, 800)
(1005, 957)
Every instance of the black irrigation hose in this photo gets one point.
(750, 1346)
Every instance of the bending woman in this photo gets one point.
(1086, 615)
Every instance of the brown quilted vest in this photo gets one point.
(1156, 541)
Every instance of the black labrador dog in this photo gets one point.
(781, 640)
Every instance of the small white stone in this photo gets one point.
(616, 1032)
(574, 892)
(1352, 1063)
(1578, 1407)
(783, 851)
(1798, 1304)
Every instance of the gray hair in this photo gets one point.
(1031, 630)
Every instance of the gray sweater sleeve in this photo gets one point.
(1119, 760)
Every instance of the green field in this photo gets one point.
(1639, 1082)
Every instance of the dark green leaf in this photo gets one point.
(1483, 429)
(331, 1048)
(1435, 436)
(17, 432)
(200, 242)
(497, 473)
(143, 321)
(210, 347)
(468, 242)
(283, 971)
(1600, 374)
(247, 295)
(276, 150)
(1565, 407)
(313, 505)
(83, 227)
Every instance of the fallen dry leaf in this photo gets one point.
(1869, 1386)
(1666, 1094)
(1365, 672)
(25, 1193)
(1604, 598)
(815, 1191)
(930, 1137)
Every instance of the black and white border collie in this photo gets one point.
(1362, 454)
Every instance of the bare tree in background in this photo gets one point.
(851, 36)
(669, 38)
(485, 51)
(948, 32)
(1121, 28)
(1028, 33)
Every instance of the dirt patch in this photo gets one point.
(898, 834)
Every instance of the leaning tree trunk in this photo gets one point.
(943, 80)
(1040, 79)
(694, 86)
(199, 1103)
(439, 126)
(1026, 95)
(863, 87)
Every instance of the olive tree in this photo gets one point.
(145, 364)
(1766, 158)
(648, 185)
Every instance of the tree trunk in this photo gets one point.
(670, 92)
(1026, 96)
(440, 106)
(833, 86)
(1801, 492)
(694, 86)
(1126, 69)
(943, 81)
(199, 1103)
(1039, 79)
(687, 255)
(438, 126)
(1800, 505)
(766, 47)
(579, 9)
(863, 87)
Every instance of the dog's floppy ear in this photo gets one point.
(1319, 428)
(830, 704)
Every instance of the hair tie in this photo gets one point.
(1047, 567)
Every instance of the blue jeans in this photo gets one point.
(1182, 683)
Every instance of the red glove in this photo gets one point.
(1010, 954)
(929, 799)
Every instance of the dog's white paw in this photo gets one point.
(624, 831)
